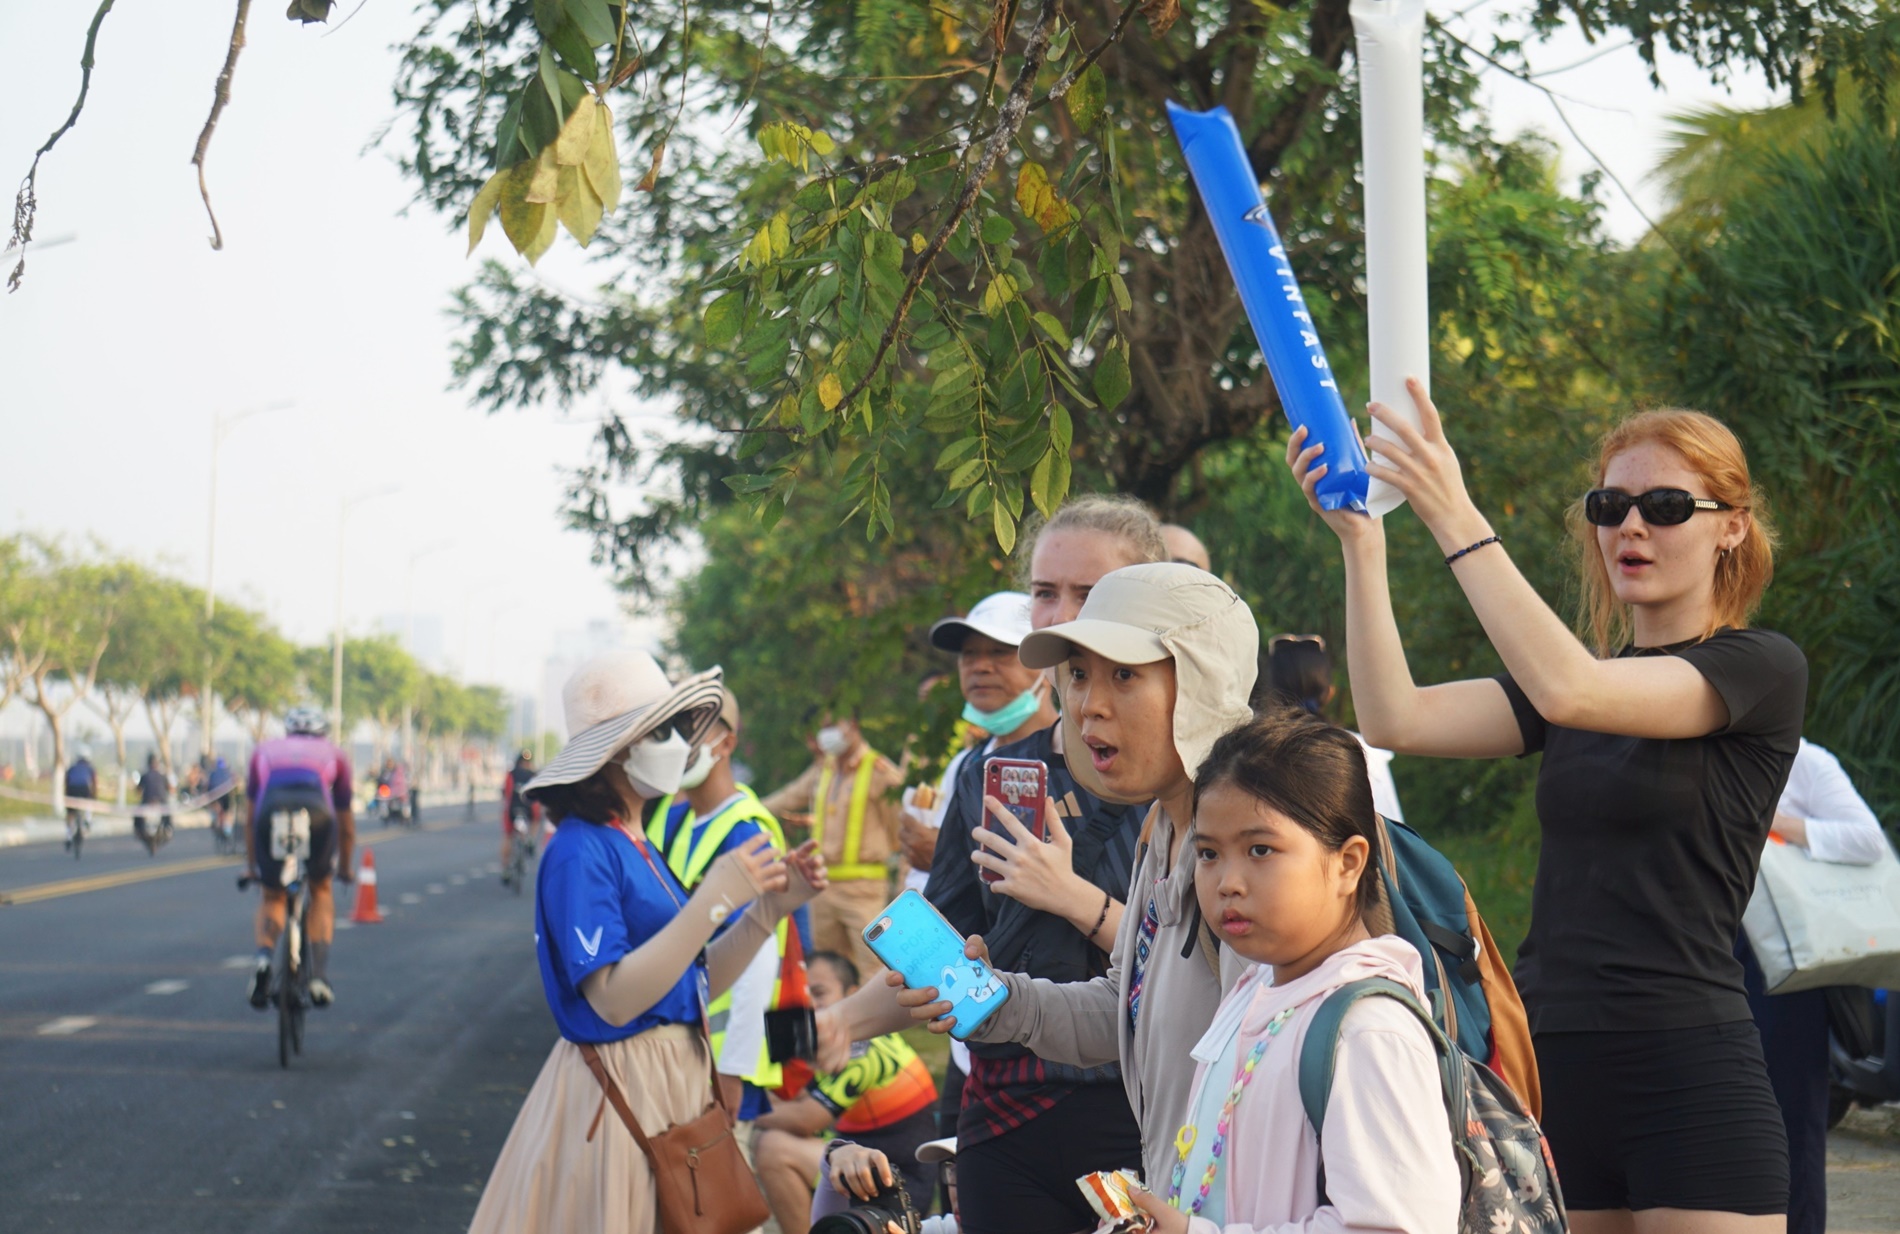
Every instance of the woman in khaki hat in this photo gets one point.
(1157, 665)
(620, 945)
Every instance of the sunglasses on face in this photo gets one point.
(1661, 507)
(1278, 639)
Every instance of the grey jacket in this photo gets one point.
(1085, 1023)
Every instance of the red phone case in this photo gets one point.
(1021, 784)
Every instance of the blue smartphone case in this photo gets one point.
(913, 938)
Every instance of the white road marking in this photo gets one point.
(408, 897)
(436, 889)
(66, 1025)
(344, 923)
(171, 985)
(456, 880)
(240, 961)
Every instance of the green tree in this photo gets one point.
(260, 679)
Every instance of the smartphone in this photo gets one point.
(913, 938)
(1021, 784)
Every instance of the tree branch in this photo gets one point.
(1008, 121)
(25, 203)
(220, 96)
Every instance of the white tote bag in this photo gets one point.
(1818, 923)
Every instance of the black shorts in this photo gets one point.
(1665, 1118)
(1023, 1181)
(322, 860)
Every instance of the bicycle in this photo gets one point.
(521, 855)
(224, 835)
(78, 823)
(289, 988)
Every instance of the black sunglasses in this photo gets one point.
(1661, 507)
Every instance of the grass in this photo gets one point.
(1499, 867)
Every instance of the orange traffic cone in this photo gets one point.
(366, 911)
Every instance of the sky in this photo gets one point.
(130, 334)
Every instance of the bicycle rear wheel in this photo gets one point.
(286, 977)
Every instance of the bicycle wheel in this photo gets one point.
(285, 995)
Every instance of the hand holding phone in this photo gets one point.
(913, 938)
(1022, 785)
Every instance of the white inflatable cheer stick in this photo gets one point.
(1392, 113)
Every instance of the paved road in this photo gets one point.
(139, 1090)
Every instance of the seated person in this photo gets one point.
(883, 1099)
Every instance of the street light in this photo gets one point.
(221, 423)
(336, 642)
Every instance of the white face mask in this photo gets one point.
(702, 765)
(655, 767)
(832, 741)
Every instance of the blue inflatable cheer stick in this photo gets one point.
(1257, 260)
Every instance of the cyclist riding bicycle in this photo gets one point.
(82, 784)
(218, 780)
(514, 806)
(300, 771)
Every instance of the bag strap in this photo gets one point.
(617, 1099)
(1320, 1048)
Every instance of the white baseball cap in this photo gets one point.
(1003, 617)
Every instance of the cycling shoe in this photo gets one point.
(321, 995)
(260, 985)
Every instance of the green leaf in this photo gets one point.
(575, 50)
(965, 475)
(548, 16)
(1120, 288)
(722, 318)
(551, 82)
(593, 19)
(1053, 329)
(1005, 527)
(997, 229)
(748, 484)
(1088, 97)
(1111, 376)
(956, 450)
(949, 377)
(1039, 482)
(508, 147)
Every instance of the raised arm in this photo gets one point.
(1652, 696)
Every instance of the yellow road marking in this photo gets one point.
(123, 878)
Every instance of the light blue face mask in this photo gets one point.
(1007, 718)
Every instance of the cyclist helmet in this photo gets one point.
(527, 754)
(307, 721)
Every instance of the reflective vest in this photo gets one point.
(690, 851)
(849, 867)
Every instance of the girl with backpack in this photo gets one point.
(1284, 835)
(1665, 750)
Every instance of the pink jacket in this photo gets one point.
(1388, 1151)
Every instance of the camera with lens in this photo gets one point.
(889, 1210)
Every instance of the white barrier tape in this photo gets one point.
(96, 805)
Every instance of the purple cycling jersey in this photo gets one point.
(302, 761)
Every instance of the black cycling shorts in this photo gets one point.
(322, 860)
(1665, 1118)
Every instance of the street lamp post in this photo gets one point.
(221, 424)
(336, 641)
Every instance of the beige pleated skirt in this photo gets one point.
(552, 1178)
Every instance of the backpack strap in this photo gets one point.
(1320, 1049)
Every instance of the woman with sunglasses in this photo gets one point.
(1665, 751)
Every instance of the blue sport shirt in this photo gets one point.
(596, 900)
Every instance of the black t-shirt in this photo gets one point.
(1650, 848)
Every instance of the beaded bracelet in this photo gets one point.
(1472, 548)
(1108, 898)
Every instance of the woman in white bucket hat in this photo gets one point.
(620, 945)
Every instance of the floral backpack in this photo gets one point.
(1510, 1184)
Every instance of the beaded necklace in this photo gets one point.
(1184, 1139)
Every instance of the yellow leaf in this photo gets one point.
(1001, 291)
(916, 45)
(570, 147)
(917, 242)
(951, 42)
(484, 205)
(830, 391)
(546, 184)
(521, 219)
(1037, 198)
(603, 161)
(781, 230)
(543, 239)
(579, 208)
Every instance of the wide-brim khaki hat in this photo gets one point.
(1158, 611)
(621, 697)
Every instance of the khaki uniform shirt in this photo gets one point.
(881, 809)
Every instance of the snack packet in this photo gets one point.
(1107, 1193)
